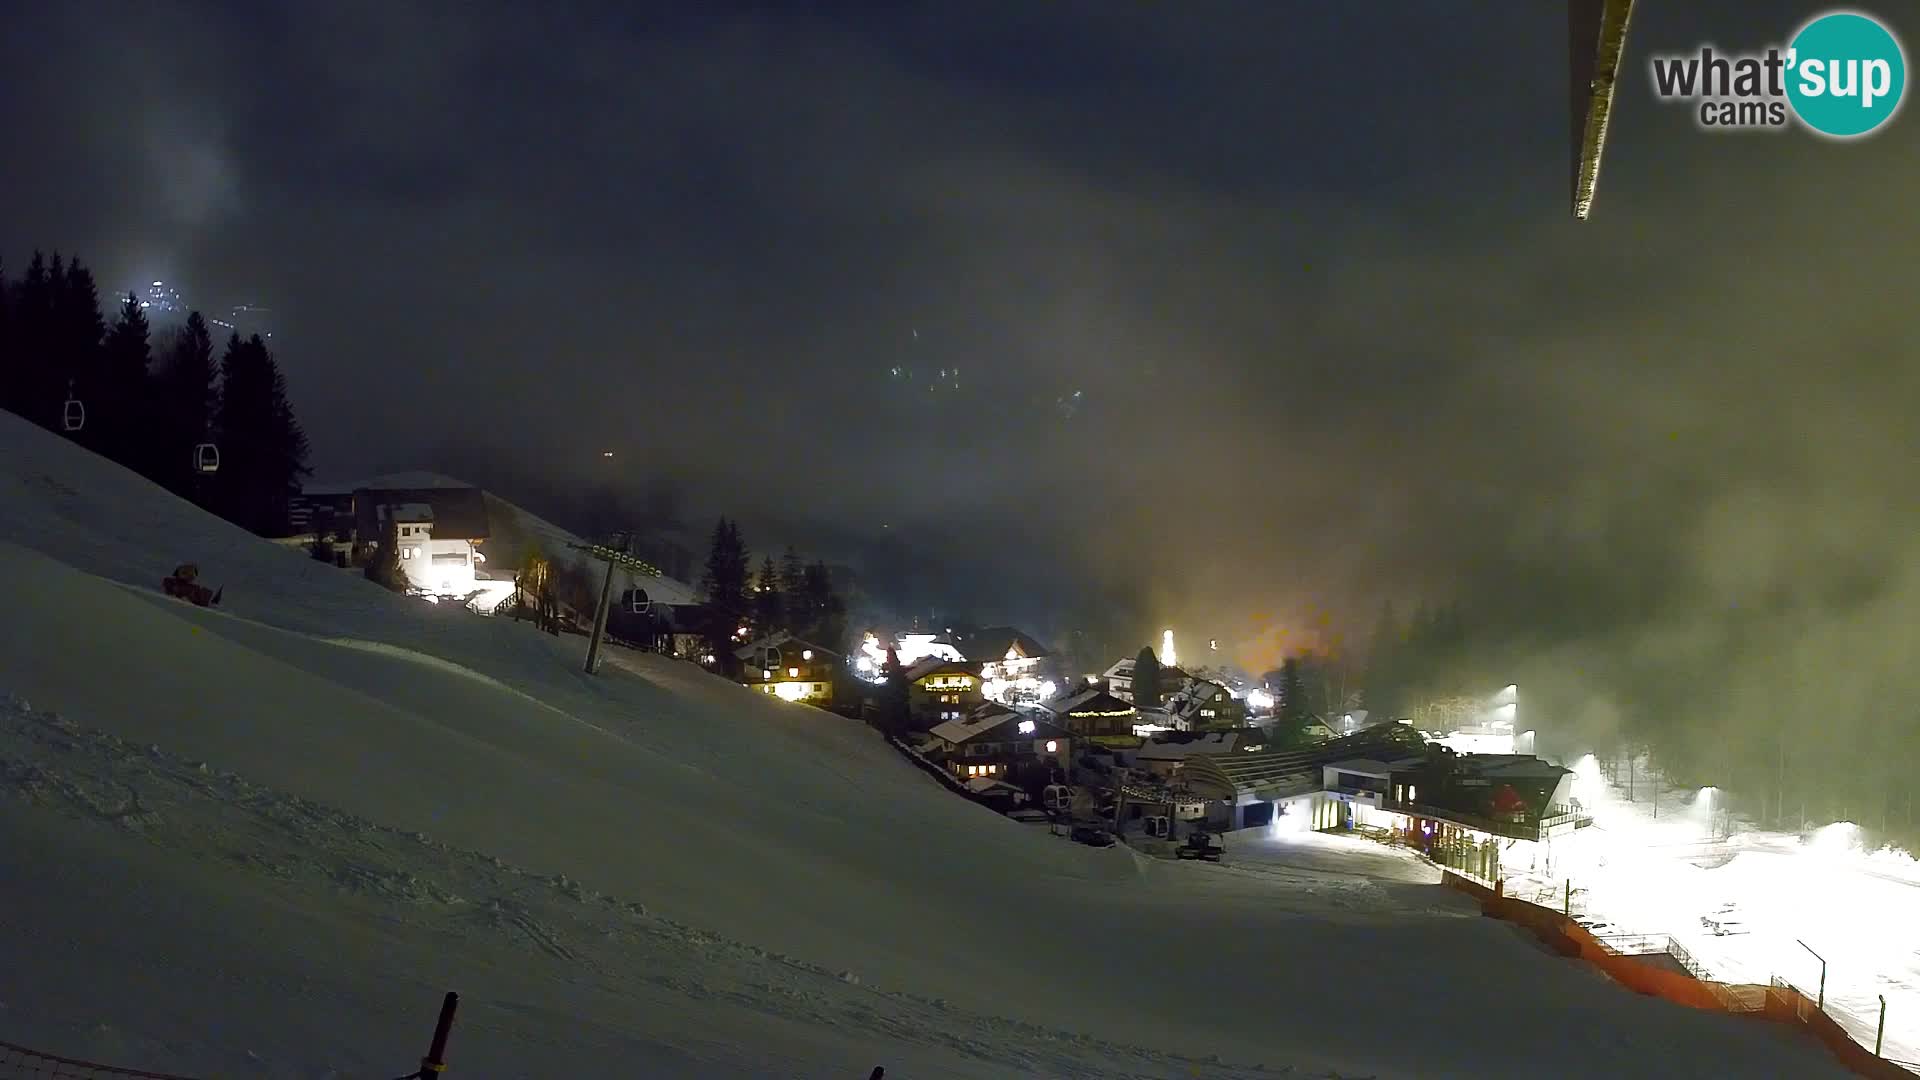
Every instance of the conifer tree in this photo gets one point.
(265, 448)
(826, 612)
(793, 583)
(186, 396)
(1294, 712)
(34, 380)
(286, 445)
(769, 607)
(1146, 679)
(896, 698)
(239, 424)
(386, 569)
(127, 360)
(725, 584)
(9, 366)
(77, 329)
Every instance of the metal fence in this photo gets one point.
(1654, 945)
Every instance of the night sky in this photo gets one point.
(1312, 271)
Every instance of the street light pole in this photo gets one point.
(1880, 1033)
(1822, 1004)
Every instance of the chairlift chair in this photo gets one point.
(206, 458)
(638, 602)
(73, 416)
(1057, 797)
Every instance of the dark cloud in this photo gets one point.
(1313, 274)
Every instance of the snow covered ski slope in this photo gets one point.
(260, 840)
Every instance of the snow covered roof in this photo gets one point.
(754, 648)
(1509, 767)
(974, 724)
(458, 513)
(1372, 766)
(983, 785)
(1123, 669)
(406, 481)
(1091, 700)
(990, 719)
(408, 512)
(1192, 696)
(995, 642)
(1175, 749)
(1280, 773)
(933, 665)
(782, 640)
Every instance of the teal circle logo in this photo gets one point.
(1846, 74)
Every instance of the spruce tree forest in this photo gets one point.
(208, 420)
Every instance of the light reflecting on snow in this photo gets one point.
(1838, 839)
(1741, 905)
(1291, 817)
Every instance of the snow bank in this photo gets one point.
(238, 845)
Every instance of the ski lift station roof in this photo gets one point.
(1259, 775)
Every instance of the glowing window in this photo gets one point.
(1052, 746)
